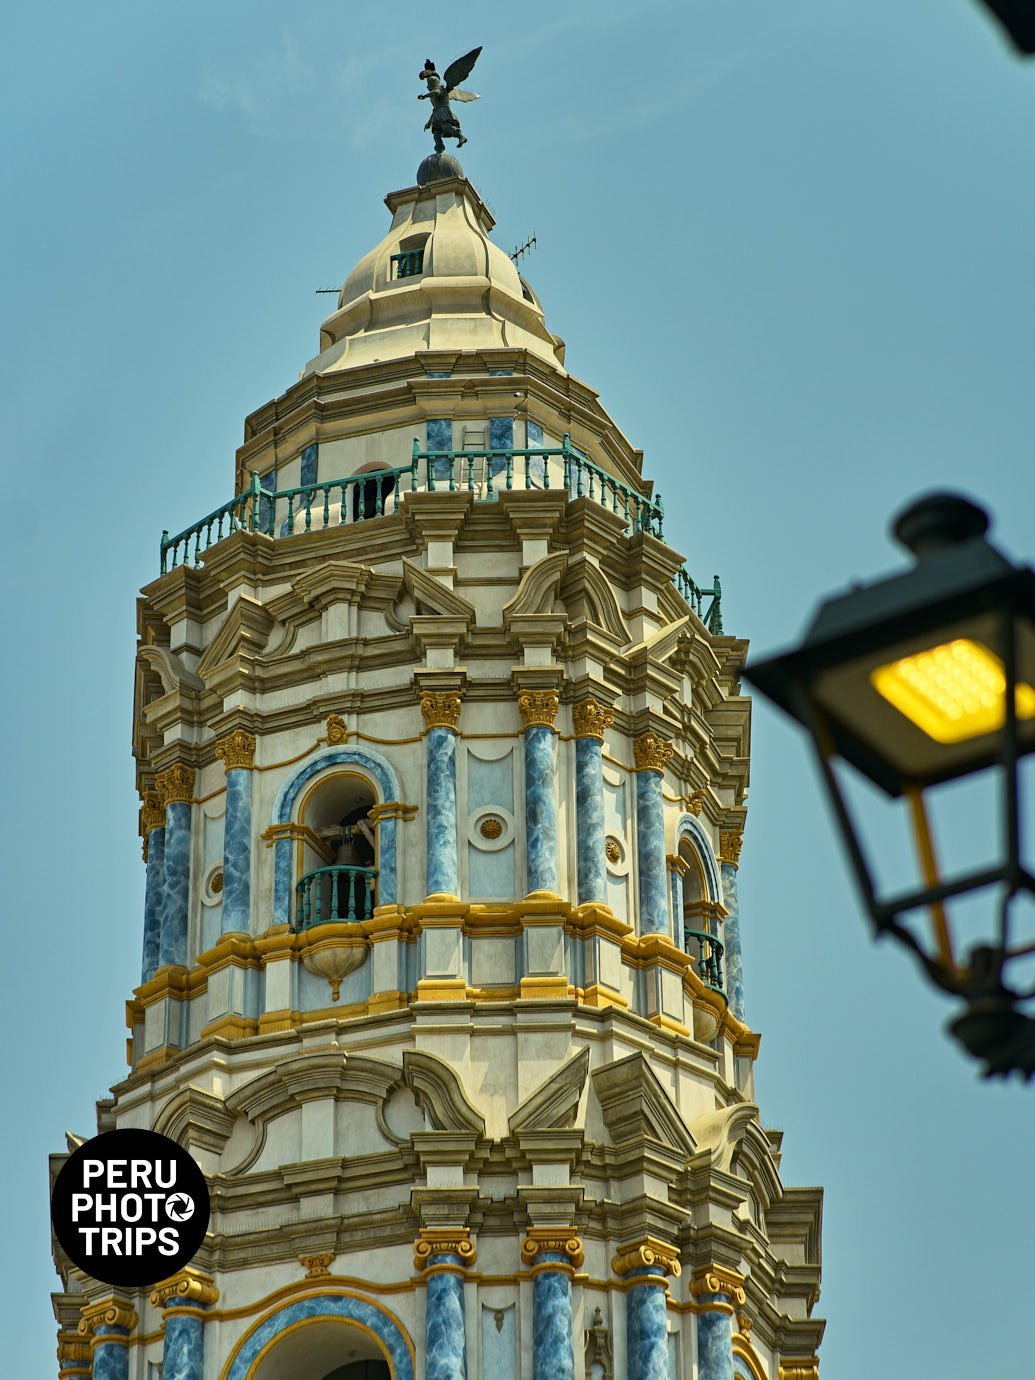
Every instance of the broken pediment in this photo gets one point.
(554, 1105)
(636, 1107)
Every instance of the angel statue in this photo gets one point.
(441, 89)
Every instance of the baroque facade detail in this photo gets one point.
(441, 709)
(651, 752)
(644, 1254)
(556, 1241)
(186, 1286)
(237, 750)
(176, 784)
(538, 707)
(730, 843)
(591, 720)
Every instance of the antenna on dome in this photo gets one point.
(526, 248)
(336, 291)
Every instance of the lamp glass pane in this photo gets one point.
(952, 692)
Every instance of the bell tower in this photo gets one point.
(442, 755)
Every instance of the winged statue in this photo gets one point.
(441, 90)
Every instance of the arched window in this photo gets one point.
(337, 852)
(702, 913)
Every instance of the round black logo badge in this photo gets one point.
(130, 1207)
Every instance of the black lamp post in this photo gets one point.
(914, 681)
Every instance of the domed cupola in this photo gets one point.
(435, 282)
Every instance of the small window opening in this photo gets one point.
(408, 263)
(339, 855)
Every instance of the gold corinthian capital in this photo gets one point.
(592, 720)
(538, 708)
(237, 749)
(441, 708)
(175, 785)
(651, 752)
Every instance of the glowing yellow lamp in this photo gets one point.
(953, 692)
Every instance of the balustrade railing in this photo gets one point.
(335, 893)
(706, 951)
(379, 493)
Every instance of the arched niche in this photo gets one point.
(305, 788)
(320, 1337)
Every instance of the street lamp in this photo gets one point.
(914, 681)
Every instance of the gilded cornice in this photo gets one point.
(237, 750)
(176, 784)
(152, 813)
(648, 1253)
(187, 1286)
(538, 708)
(730, 843)
(441, 709)
(651, 752)
(800, 1368)
(555, 1240)
(718, 1279)
(107, 1313)
(435, 1241)
(591, 719)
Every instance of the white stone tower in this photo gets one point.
(443, 759)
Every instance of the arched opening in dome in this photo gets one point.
(337, 863)
(326, 1348)
(373, 497)
(701, 917)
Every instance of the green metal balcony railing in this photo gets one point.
(379, 493)
(706, 951)
(335, 893)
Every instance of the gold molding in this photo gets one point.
(317, 1266)
(539, 708)
(433, 1241)
(591, 719)
(800, 1368)
(175, 785)
(695, 802)
(440, 708)
(730, 843)
(557, 1240)
(107, 1313)
(237, 750)
(718, 1279)
(651, 752)
(643, 1253)
(391, 809)
(337, 730)
(186, 1286)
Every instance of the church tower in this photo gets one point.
(442, 755)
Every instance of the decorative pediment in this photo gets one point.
(170, 669)
(636, 1107)
(440, 1094)
(587, 593)
(738, 1144)
(346, 1078)
(196, 1119)
(432, 596)
(661, 645)
(244, 632)
(538, 590)
(554, 1105)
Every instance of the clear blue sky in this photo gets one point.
(790, 245)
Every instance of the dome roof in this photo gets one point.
(435, 282)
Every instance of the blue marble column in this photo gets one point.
(590, 720)
(184, 1298)
(729, 859)
(237, 751)
(109, 1326)
(444, 1329)
(715, 1291)
(539, 712)
(645, 1265)
(152, 819)
(176, 786)
(441, 711)
(553, 1354)
(651, 754)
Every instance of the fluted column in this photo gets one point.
(717, 1291)
(152, 827)
(441, 711)
(554, 1254)
(650, 754)
(176, 788)
(442, 1256)
(729, 860)
(539, 714)
(591, 721)
(108, 1324)
(183, 1299)
(237, 751)
(645, 1265)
